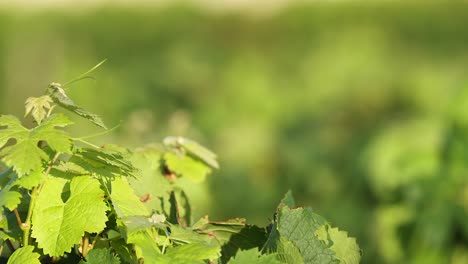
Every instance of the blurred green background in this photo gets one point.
(360, 109)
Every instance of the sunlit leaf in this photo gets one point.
(124, 200)
(38, 107)
(193, 148)
(26, 155)
(24, 255)
(186, 166)
(101, 256)
(59, 221)
(252, 256)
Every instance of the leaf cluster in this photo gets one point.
(64, 202)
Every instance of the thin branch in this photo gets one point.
(18, 218)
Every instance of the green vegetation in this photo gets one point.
(66, 200)
(358, 108)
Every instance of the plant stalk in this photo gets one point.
(84, 249)
(18, 218)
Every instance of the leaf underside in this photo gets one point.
(59, 96)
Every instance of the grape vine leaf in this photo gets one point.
(31, 180)
(124, 200)
(57, 225)
(150, 184)
(299, 226)
(38, 107)
(345, 248)
(194, 149)
(186, 166)
(136, 223)
(26, 155)
(10, 198)
(288, 252)
(102, 162)
(252, 256)
(274, 240)
(299, 235)
(58, 95)
(181, 211)
(24, 255)
(145, 247)
(101, 256)
(187, 235)
(9, 228)
(133, 219)
(193, 253)
(232, 235)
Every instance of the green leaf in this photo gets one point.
(24, 255)
(299, 226)
(233, 235)
(145, 246)
(59, 222)
(345, 248)
(10, 198)
(38, 107)
(101, 256)
(124, 200)
(181, 211)
(252, 256)
(193, 251)
(31, 180)
(58, 95)
(137, 223)
(288, 252)
(150, 184)
(186, 166)
(9, 228)
(273, 241)
(26, 155)
(124, 250)
(186, 235)
(193, 148)
(102, 162)
(288, 200)
(230, 235)
(300, 236)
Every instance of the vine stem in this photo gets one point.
(18, 218)
(84, 249)
(32, 202)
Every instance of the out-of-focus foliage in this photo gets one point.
(359, 108)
